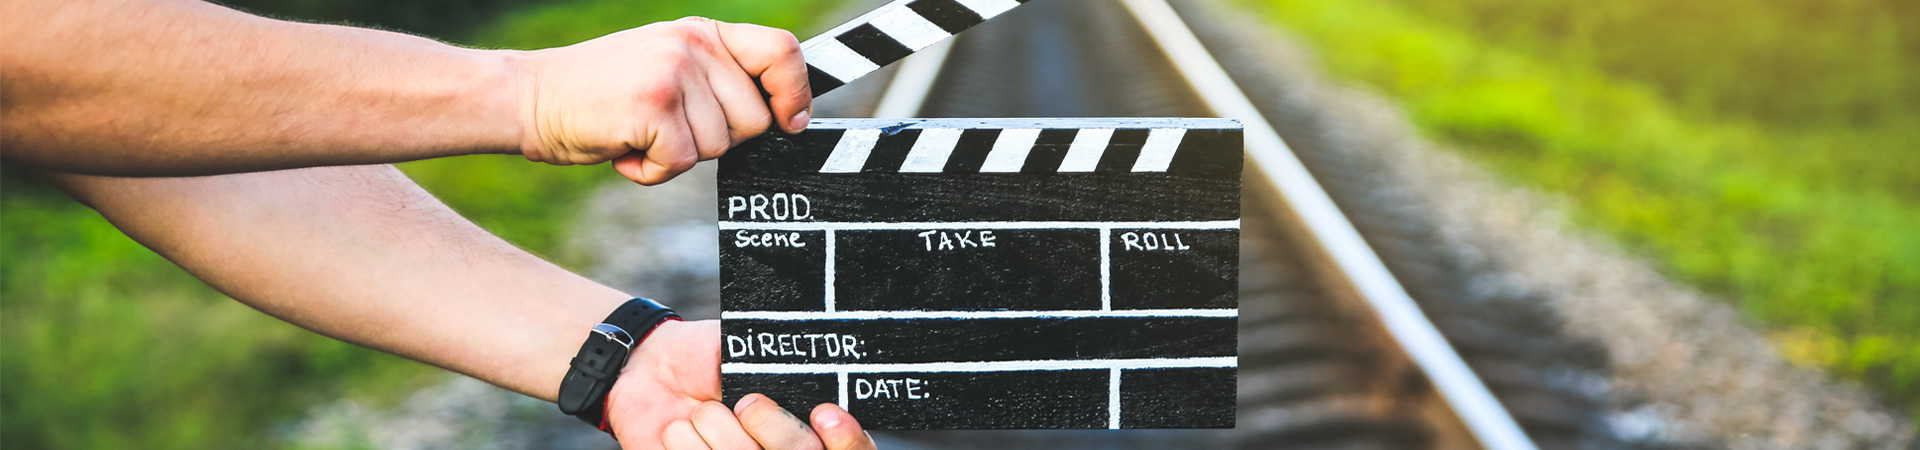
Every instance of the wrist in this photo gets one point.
(522, 68)
(504, 98)
(605, 355)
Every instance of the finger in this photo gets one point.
(773, 56)
(673, 152)
(630, 165)
(740, 99)
(772, 426)
(838, 430)
(712, 131)
(680, 435)
(720, 429)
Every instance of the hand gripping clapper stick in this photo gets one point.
(981, 273)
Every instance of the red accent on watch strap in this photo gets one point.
(606, 404)
(606, 425)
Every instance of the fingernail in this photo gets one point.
(800, 120)
(748, 400)
(826, 418)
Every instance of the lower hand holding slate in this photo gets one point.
(101, 89)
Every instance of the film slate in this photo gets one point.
(986, 273)
(890, 33)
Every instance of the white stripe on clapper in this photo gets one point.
(908, 28)
(989, 8)
(836, 59)
(930, 153)
(1010, 150)
(1086, 150)
(851, 153)
(1157, 154)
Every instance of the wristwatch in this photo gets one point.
(590, 376)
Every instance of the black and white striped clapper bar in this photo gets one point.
(879, 38)
(986, 273)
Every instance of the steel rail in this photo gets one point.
(913, 82)
(1341, 243)
(1471, 401)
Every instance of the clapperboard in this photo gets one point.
(888, 34)
(984, 273)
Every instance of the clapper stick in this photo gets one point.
(888, 34)
(986, 273)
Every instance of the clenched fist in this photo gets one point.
(655, 100)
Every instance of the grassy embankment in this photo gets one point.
(1766, 151)
(108, 345)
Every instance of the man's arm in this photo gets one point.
(184, 87)
(361, 254)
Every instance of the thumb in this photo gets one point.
(631, 165)
(838, 430)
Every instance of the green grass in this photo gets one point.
(1764, 151)
(108, 345)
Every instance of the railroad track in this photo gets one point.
(1335, 349)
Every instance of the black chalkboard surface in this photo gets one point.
(986, 274)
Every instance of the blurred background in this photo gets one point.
(1765, 152)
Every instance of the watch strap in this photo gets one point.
(592, 372)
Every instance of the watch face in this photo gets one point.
(614, 333)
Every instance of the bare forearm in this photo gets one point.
(363, 255)
(182, 87)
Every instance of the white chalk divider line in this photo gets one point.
(1113, 399)
(1106, 269)
(971, 315)
(842, 378)
(1042, 225)
(1112, 366)
(982, 366)
(829, 274)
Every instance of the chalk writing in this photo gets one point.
(950, 240)
(744, 238)
(889, 388)
(1149, 241)
(780, 206)
(830, 345)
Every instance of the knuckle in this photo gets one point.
(754, 125)
(681, 165)
(756, 417)
(787, 44)
(707, 150)
(672, 61)
(696, 31)
(679, 160)
(683, 28)
(662, 96)
(802, 96)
